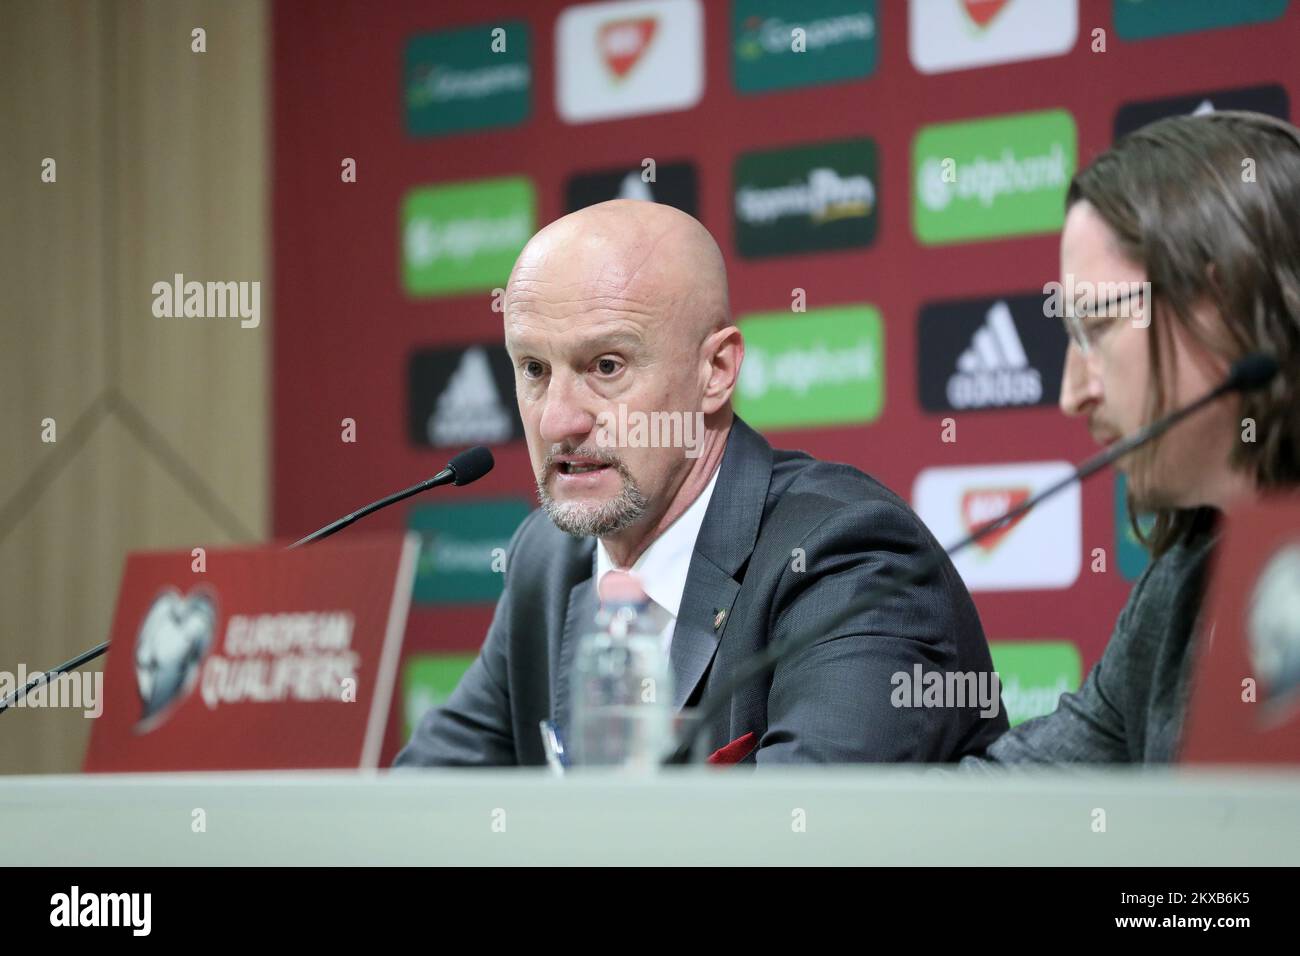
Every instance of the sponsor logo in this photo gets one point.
(805, 199)
(622, 43)
(427, 682)
(944, 35)
(462, 396)
(174, 638)
(824, 367)
(1273, 627)
(628, 59)
(1132, 556)
(475, 78)
(463, 548)
(982, 12)
(981, 507)
(1041, 549)
(989, 353)
(829, 41)
(1270, 99)
(1034, 675)
(1143, 19)
(986, 178)
(674, 184)
(464, 236)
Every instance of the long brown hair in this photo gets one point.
(1210, 205)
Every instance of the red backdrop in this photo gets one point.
(343, 327)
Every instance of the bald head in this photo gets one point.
(633, 250)
(619, 313)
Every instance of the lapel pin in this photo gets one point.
(719, 617)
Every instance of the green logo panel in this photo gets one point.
(1132, 556)
(806, 199)
(427, 681)
(994, 177)
(1143, 19)
(469, 79)
(822, 367)
(464, 237)
(459, 562)
(1034, 675)
(839, 42)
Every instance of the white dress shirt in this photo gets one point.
(663, 566)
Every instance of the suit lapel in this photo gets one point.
(579, 617)
(725, 542)
(707, 600)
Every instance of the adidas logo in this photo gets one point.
(994, 370)
(469, 410)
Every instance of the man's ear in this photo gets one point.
(721, 355)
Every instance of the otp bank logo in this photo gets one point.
(1038, 550)
(813, 370)
(628, 59)
(993, 176)
(464, 237)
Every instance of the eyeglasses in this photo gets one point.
(1086, 327)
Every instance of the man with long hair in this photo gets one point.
(1196, 220)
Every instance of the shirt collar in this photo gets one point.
(664, 565)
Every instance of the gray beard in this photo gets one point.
(609, 517)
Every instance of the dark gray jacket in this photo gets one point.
(1131, 707)
(830, 702)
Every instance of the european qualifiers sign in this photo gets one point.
(261, 659)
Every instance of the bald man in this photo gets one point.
(619, 313)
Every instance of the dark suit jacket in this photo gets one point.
(829, 702)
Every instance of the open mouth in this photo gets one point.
(580, 468)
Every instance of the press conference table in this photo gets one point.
(840, 815)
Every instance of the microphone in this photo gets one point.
(1249, 373)
(470, 465)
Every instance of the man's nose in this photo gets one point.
(565, 417)
(1080, 386)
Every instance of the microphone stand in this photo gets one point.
(469, 465)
